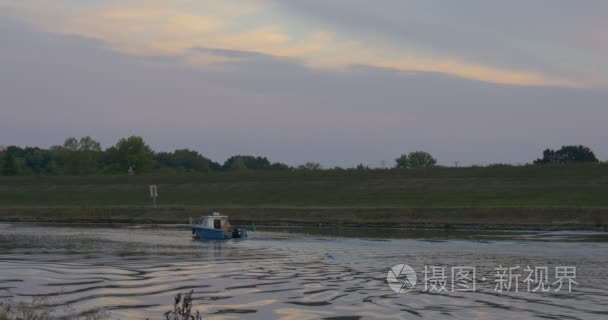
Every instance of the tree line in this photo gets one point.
(85, 156)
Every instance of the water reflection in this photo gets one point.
(294, 273)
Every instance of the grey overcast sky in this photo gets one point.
(340, 82)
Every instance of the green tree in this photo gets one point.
(250, 162)
(70, 155)
(56, 164)
(37, 160)
(310, 166)
(71, 144)
(416, 159)
(191, 160)
(88, 153)
(237, 164)
(278, 166)
(9, 165)
(185, 160)
(81, 156)
(88, 144)
(362, 167)
(402, 162)
(131, 151)
(567, 154)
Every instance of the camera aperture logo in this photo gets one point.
(401, 278)
(442, 279)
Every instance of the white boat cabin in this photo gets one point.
(214, 221)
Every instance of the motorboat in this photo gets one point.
(216, 226)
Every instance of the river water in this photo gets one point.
(133, 272)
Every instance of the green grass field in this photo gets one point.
(531, 195)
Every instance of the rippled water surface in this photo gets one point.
(134, 271)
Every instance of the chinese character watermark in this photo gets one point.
(442, 279)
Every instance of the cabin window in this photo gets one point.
(217, 223)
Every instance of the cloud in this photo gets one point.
(544, 37)
(477, 72)
(150, 28)
(277, 106)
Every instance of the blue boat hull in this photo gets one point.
(208, 233)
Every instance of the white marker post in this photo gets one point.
(153, 193)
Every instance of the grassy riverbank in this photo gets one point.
(532, 196)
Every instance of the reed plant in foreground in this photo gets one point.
(38, 309)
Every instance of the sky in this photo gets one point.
(340, 82)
